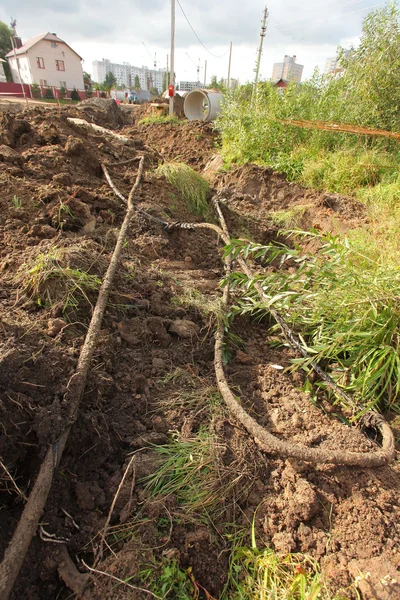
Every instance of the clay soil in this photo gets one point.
(59, 219)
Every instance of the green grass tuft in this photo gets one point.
(192, 186)
(160, 120)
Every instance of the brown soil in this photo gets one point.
(58, 214)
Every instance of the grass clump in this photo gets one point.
(160, 120)
(192, 469)
(48, 281)
(265, 574)
(345, 305)
(193, 187)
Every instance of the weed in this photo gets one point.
(168, 580)
(160, 120)
(193, 188)
(47, 281)
(16, 202)
(265, 574)
(346, 307)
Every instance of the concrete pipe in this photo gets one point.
(202, 105)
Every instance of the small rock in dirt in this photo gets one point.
(188, 259)
(74, 146)
(242, 357)
(160, 425)
(304, 502)
(62, 179)
(89, 495)
(9, 155)
(184, 329)
(42, 231)
(149, 439)
(130, 332)
(158, 366)
(54, 326)
(284, 542)
(157, 331)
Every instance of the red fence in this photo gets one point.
(15, 89)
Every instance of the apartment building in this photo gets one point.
(188, 86)
(288, 70)
(125, 74)
(333, 65)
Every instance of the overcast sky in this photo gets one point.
(117, 29)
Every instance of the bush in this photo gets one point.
(75, 95)
(49, 94)
(36, 91)
(62, 92)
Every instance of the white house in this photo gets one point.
(48, 61)
(3, 77)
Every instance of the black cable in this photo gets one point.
(205, 47)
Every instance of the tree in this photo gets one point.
(372, 71)
(75, 95)
(137, 83)
(109, 81)
(153, 91)
(48, 93)
(215, 85)
(5, 47)
(62, 92)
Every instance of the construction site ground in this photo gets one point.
(152, 378)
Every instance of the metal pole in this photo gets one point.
(262, 36)
(172, 75)
(229, 68)
(19, 72)
(205, 73)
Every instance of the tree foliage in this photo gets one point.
(5, 46)
(136, 84)
(109, 81)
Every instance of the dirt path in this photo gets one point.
(153, 371)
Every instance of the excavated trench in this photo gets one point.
(60, 218)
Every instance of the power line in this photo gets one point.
(321, 7)
(334, 16)
(205, 47)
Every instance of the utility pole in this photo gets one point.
(229, 68)
(167, 74)
(262, 36)
(198, 71)
(172, 76)
(205, 73)
(13, 24)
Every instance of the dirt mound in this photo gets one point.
(152, 377)
(189, 142)
(104, 111)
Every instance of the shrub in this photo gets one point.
(75, 94)
(49, 94)
(62, 92)
(36, 91)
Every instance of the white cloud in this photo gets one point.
(100, 28)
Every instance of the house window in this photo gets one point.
(60, 65)
(53, 44)
(43, 82)
(39, 62)
(63, 84)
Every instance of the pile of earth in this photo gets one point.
(58, 224)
